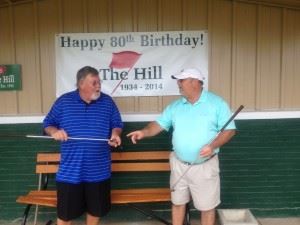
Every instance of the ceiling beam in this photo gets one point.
(292, 4)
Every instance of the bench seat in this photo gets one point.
(122, 196)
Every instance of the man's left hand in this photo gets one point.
(114, 141)
(206, 151)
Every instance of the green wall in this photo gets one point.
(260, 167)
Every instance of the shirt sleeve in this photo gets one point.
(53, 116)
(165, 119)
(116, 121)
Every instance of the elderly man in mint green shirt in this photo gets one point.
(195, 124)
(196, 119)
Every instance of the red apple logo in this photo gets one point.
(2, 70)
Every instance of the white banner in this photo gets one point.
(131, 64)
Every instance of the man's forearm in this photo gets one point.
(51, 130)
(222, 138)
(151, 129)
(116, 131)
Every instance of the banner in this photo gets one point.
(10, 77)
(131, 64)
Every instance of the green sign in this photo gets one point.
(10, 77)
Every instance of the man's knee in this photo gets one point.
(208, 217)
(208, 212)
(63, 222)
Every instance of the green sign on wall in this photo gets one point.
(10, 77)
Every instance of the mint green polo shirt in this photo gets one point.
(195, 125)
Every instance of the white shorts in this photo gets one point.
(201, 182)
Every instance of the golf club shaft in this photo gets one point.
(71, 138)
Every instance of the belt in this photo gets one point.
(190, 164)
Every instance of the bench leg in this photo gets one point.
(149, 213)
(25, 215)
(36, 214)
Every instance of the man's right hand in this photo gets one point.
(136, 135)
(59, 135)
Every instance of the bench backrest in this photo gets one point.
(48, 163)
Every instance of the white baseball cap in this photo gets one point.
(189, 73)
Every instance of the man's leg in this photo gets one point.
(97, 197)
(208, 217)
(70, 203)
(178, 212)
(180, 196)
(92, 220)
(62, 222)
(205, 189)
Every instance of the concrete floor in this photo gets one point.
(280, 221)
(262, 221)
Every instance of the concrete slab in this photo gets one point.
(262, 221)
(236, 217)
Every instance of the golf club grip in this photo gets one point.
(231, 118)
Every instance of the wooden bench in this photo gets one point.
(147, 161)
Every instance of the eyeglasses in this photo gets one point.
(96, 83)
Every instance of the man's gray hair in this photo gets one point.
(84, 71)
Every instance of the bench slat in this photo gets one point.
(147, 155)
(46, 193)
(131, 167)
(140, 196)
(116, 167)
(51, 202)
(48, 157)
(48, 198)
(48, 162)
(151, 155)
(46, 168)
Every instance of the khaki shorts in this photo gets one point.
(201, 182)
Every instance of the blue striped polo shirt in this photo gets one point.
(195, 125)
(83, 160)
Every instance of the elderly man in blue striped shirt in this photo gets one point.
(83, 178)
